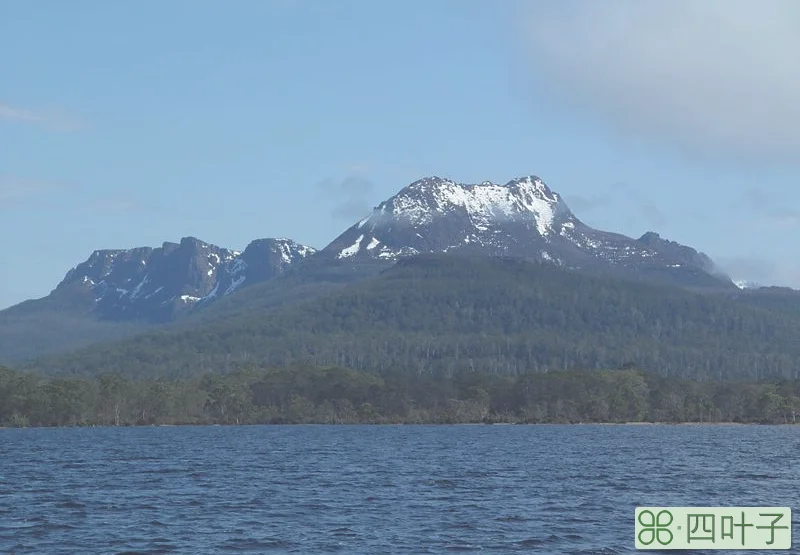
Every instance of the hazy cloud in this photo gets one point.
(120, 203)
(17, 114)
(583, 203)
(653, 214)
(713, 77)
(648, 210)
(304, 7)
(618, 193)
(785, 273)
(52, 121)
(15, 192)
(771, 209)
(351, 196)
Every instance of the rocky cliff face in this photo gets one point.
(155, 284)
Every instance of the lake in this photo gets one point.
(375, 489)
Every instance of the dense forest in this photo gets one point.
(332, 395)
(436, 315)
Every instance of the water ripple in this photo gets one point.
(366, 490)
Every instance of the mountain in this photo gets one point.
(158, 284)
(522, 218)
(150, 284)
(262, 260)
(436, 314)
(116, 293)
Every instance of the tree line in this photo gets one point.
(333, 395)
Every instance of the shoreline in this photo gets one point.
(339, 424)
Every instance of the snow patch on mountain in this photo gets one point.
(746, 284)
(212, 294)
(352, 249)
(484, 203)
(138, 289)
(235, 285)
(478, 208)
(238, 266)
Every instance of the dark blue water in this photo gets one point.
(382, 489)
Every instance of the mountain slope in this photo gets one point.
(115, 293)
(60, 322)
(522, 218)
(262, 260)
(441, 313)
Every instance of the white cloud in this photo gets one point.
(121, 201)
(351, 195)
(765, 210)
(18, 114)
(53, 121)
(713, 77)
(15, 191)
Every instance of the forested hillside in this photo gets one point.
(439, 314)
(58, 323)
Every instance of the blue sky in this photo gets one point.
(127, 124)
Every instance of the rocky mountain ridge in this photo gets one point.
(522, 218)
(156, 284)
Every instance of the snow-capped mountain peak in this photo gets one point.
(522, 218)
(429, 198)
(435, 214)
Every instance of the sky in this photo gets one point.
(127, 124)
